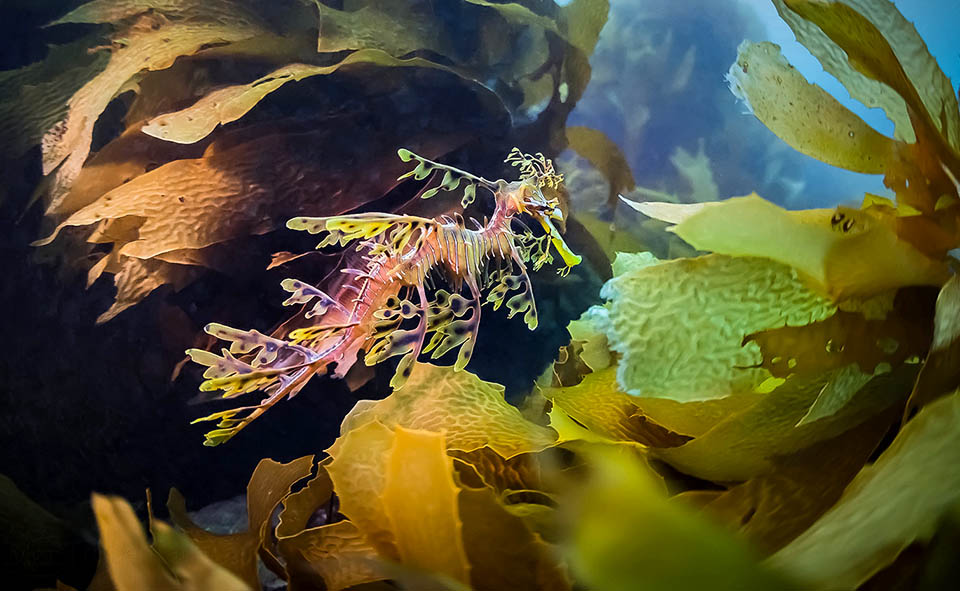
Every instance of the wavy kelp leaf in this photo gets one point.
(152, 42)
(337, 554)
(269, 484)
(941, 370)
(680, 325)
(252, 187)
(803, 114)
(872, 49)
(120, 161)
(601, 407)
(604, 155)
(503, 551)
(889, 505)
(472, 413)
(772, 509)
(34, 98)
(844, 252)
(578, 22)
(172, 563)
(625, 533)
(233, 102)
(745, 444)
(135, 279)
(486, 468)
(383, 477)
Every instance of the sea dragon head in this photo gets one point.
(530, 195)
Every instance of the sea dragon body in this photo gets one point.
(391, 303)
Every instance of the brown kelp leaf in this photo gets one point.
(383, 478)
(331, 557)
(889, 505)
(269, 484)
(135, 279)
(881, 45)
(250, 188)
(850, 337)
(151, 42)
(472, 413)
(772, 509)
(34, 98)
(843, 252)
(941, 370)
(300, 506)
(623, 530)
(600, 406)
(503, 551)
(120, 161)
(195, 570)
(679, 325)
(233, 102)
(803, 114)
(521, 472)
(605, 156)
(744, 444)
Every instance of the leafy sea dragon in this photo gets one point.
(417, 289)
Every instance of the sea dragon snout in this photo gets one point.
(416, 288)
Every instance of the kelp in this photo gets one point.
(198, 73)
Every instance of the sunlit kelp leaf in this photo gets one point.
(843, 252)
(172, 563)
(772, 509)
(625, 534)
(472, 413)
(151, 42)
(881, 60)
(233, 102)
(269, 484)
(680, 325)
(888, 506)
(601, 407)
(803, 114)
(383, 478)
(941, 370)
(744, 444)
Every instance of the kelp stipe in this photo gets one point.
(410, 278)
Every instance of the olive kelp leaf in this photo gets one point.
(889, 505)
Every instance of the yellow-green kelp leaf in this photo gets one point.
(604, 155)
(894, 502)
(803, 114)
(745, 443)
(233, 102)
(881, 60)
(173, 563)
(597, 404)
(338, 554)
(151, 42)
(472, 413)
(680, 325)
(843, 253)
(397, 487)
(626, 535)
